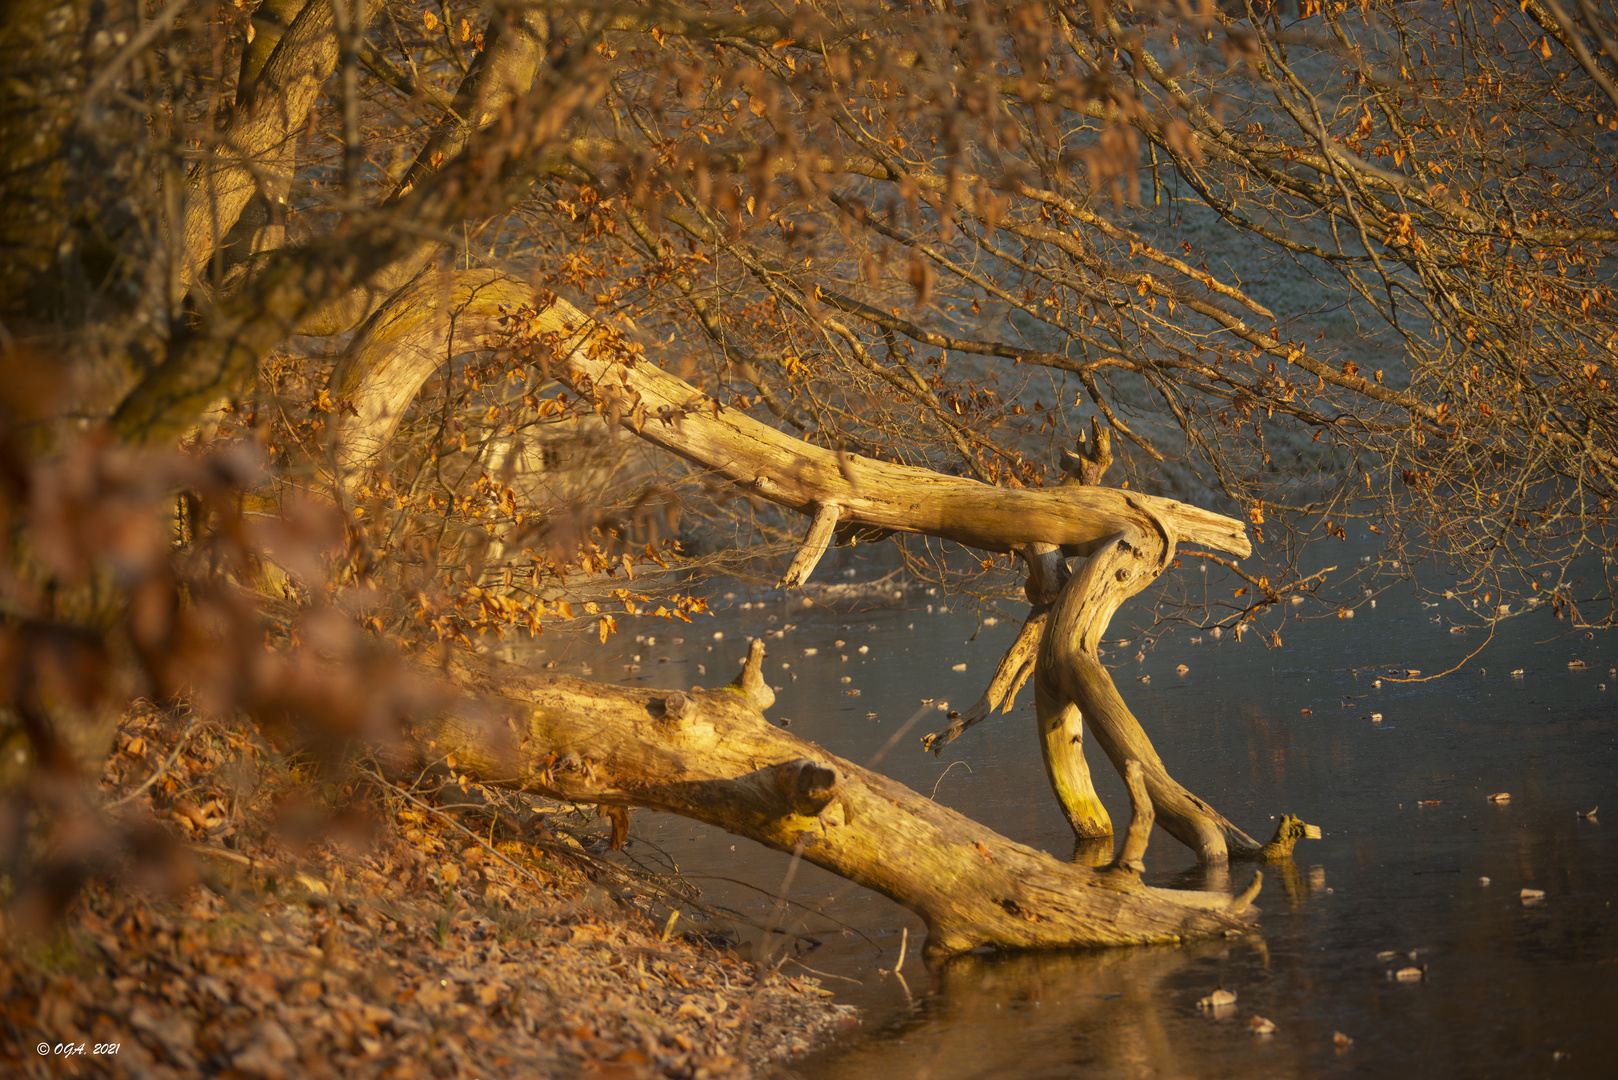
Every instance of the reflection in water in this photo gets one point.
(1409, 836)
(1057, 1015)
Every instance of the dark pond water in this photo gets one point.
(1415, 859)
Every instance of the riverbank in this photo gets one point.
(282, 927)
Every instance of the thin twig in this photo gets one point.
(1459, 664)
(307, 880)
(934, 795)
(168, 763)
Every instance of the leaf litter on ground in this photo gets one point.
(450, 937)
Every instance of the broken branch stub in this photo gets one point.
(814, 546)
(1014, 669)
(749, 682)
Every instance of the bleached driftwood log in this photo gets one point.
(711, 755)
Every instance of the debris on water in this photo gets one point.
(870, 716)
(847, 678)
(852, 693)
(1457, 629)
(1305, 712)
(1260, 1026)
(839, 644)
(1143, 678)
(1430, 802)
(1182, 669)
(958, 667)
(1575, 665)
(1518, 673)
(1500, 797)
(1589, 815)
(1533, 896)
(1376, 684)
(1376, 718)
(1196, 641)
(864, 649)
(1409, 974)
(810, 652)
(1218, 999)
(990, 621)
(1341, 1041)
(1217, 632)
(1297, 600)
(1483, 881)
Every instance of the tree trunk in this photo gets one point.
(711, 755)
(1130, 537)
(408, 340)
(1069, 674)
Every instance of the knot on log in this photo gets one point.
(807, 786)
(677, 708)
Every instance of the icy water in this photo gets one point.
(1415, 859)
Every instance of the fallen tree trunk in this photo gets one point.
(421, 327)
(711, 755)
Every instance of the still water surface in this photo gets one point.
(1409, 839)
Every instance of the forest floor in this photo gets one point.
(277, 926)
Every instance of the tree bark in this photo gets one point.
(253, 149)
(712, 756)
